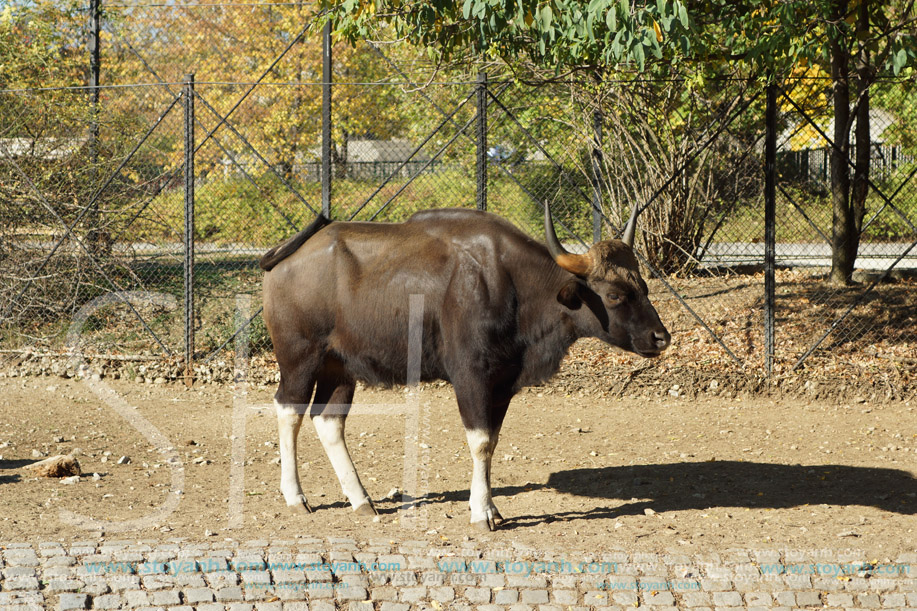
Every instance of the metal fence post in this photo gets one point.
(326, 120)
(597, 177)
(770, 184)
(189, 229)
(94, 72)
(482, 141)
(95, 25)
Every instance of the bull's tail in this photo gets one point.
(279, 253)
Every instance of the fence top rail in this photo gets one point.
(239, 84)
(386, 83)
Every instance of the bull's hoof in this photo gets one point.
(300, 505)
(493, 520)
(366, 509)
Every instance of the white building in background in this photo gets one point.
(48, 149)
(804, 154)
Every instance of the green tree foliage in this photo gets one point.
(562, 33)
(853, 41)
(567, 34)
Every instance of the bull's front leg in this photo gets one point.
(289, 421)
(484, 514)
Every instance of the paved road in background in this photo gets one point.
(871, 256)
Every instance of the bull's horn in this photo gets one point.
(630, 228)
(575, 264)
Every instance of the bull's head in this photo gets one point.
(611, 286)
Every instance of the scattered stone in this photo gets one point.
(73, 479)
(63, 465)
(124, 460)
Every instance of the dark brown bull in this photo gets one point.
(500, 311)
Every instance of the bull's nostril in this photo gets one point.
(662, 339)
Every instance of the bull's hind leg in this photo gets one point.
(289, 421)
(291, 402)
(329, 412)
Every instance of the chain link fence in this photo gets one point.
(95, 198)
(868, 326)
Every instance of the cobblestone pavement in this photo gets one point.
(325, 574)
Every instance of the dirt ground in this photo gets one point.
(641, 474)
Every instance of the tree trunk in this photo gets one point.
(844, 230)
(863, 135)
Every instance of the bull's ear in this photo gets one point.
(569, 295)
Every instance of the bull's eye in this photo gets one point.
(613, 299)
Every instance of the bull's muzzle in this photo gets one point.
(657, 341)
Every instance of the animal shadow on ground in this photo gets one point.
(702, 485)
(13, 464)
